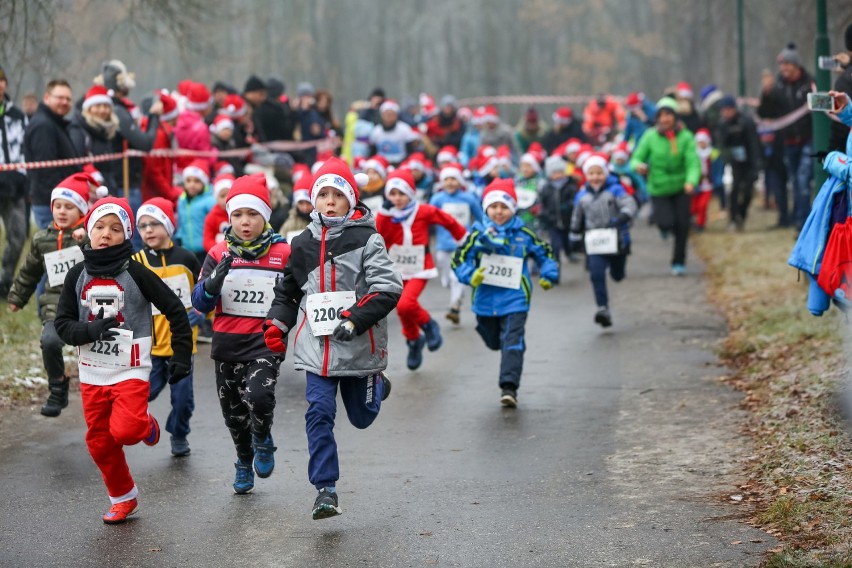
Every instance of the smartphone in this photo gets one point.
(828, 62)
(821, 102)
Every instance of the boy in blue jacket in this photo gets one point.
(492, 260)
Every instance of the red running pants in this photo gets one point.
(411, 313)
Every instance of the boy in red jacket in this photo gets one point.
(405, 228)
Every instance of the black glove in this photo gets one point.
(620, 220)
(102, 328)
(345, 331)
(213, 284)
(178, 371)
(820, 155)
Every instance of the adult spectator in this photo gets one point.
(843, 83)
(686, 111)
(238, 110)
(640, 117)
(497, 133)
(310, 121)
(529, 130)
(393, 139)
(13, 185)
(740, 147)
(445, 128)
(29, 104)
(191, 131)
(324, 106)
(47, 138)
(372, 112)
(782, 95)
(94, 132)
(602, 118)
(272, 120)
(158, 171)
(220, 91)
(564, 128)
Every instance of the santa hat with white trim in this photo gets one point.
(335, 173)
(454, 171)
(302, 189)
(97, 95)
(234, 106)
(595, 159)
(170, 106)
(197, 97)
(378, 163)
(223, 182)
(111, 206)
(250, 192)
(389, 104)
(447, 153)
(500, 191)
(532, 161)
(75, 188)
(198, 169)
(402, 180)
(160, 209)
(220, 123)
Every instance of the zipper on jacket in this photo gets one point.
(322, 289)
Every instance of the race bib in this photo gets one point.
(325, 309)
(502, 270)
(374, 203)
(292, 235)
(59, 262)
(526, 198)
(249, 296)
(602, 241)
(459, 211)
(179, 284)
(112, 354)
(409, 259)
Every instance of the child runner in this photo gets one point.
(178, 268)
(527, 182)
(193, 206)
(557, 204)
(602, 214)
(701, 198)
(54, 251)
(405, 228)
(237, 279)
(492, 261)
(300, 214)
(373, 193)
(341, 283)
(466, 209)
(105, 310)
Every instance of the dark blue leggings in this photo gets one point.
(598, 264)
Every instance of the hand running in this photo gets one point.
(213, 284)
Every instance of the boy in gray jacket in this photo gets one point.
(339, 285)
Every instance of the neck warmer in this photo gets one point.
(252, 250)
(108, 261)
(330, 221)
(400, 215)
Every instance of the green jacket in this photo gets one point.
(670, 166)
(44, 241)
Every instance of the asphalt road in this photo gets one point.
(623, 452)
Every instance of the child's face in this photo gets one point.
(619, 161)
(374, 176)
(221, 199)
(107, 231)
(193, 186)
(331, 202)
(305, 207)
(596, 176)
(153, 233)
(451, 185)
(526, 170)
(499, 213)
(65, 213)
(571, 157)
(417, 175)
(247, 223)
(399, 199)
(702, 144)
(225, 134)
(558, 175)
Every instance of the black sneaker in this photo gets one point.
(325, 505)
(180, 447)
(58, 398)
(386, 386)
(509, 398)
(603, 317)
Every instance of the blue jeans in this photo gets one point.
(506, 334)
(776, 185)
(362, 398)
(183, 401)
(598, 263)
(799, 165)
(135, 198)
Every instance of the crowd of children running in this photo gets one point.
(437, 192)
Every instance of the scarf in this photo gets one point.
(671, 135)
(400, 215)
(109, 261)
(330, 221)
(107, 127)
(257, 248)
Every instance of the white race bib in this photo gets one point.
(409, 259)
(374, 203)
(324, 310)
(602, 241)
(112, 354)
(502, 270)
(459, 211)
(179, 284)
(59, 262)
(247, 295)
(292, 235)
(526, 198)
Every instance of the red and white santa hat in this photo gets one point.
(486, 160)
(428, 108)
(684, 90)
(702, 135)
(197, 97)
(233, 106)
(97, 95)
(574, 145)
(222, 167)
(160, 209)
(75, 188)
(170, 106)
(491, 115)
(222, 182)
(621, 151)
(389, 104)
(530, 159)
(302, 189)
(452, 170)
(447, 153)
(300, 171)
(401, 179)
(335, 173)
(220, 123)
(595, 159)
(504, 156)
(198, 169)
(500, 191)
(562, 116)
(417, 161)
(111, 206)
(250, 192)
(634, 100)
(378, 163)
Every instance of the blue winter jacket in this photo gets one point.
(191, 216)
(512, 239)
(839, 164)
(635, 128)
(469, 145)
(444, 240)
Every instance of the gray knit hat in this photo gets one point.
(790, 55)
(554, 164)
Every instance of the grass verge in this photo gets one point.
(22, 378)
(791, 367)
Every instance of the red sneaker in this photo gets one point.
(119, 512)
(154, 435)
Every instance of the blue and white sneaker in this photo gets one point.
(244, 480)
(264, 457)
(433, 335)
(678, 270)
